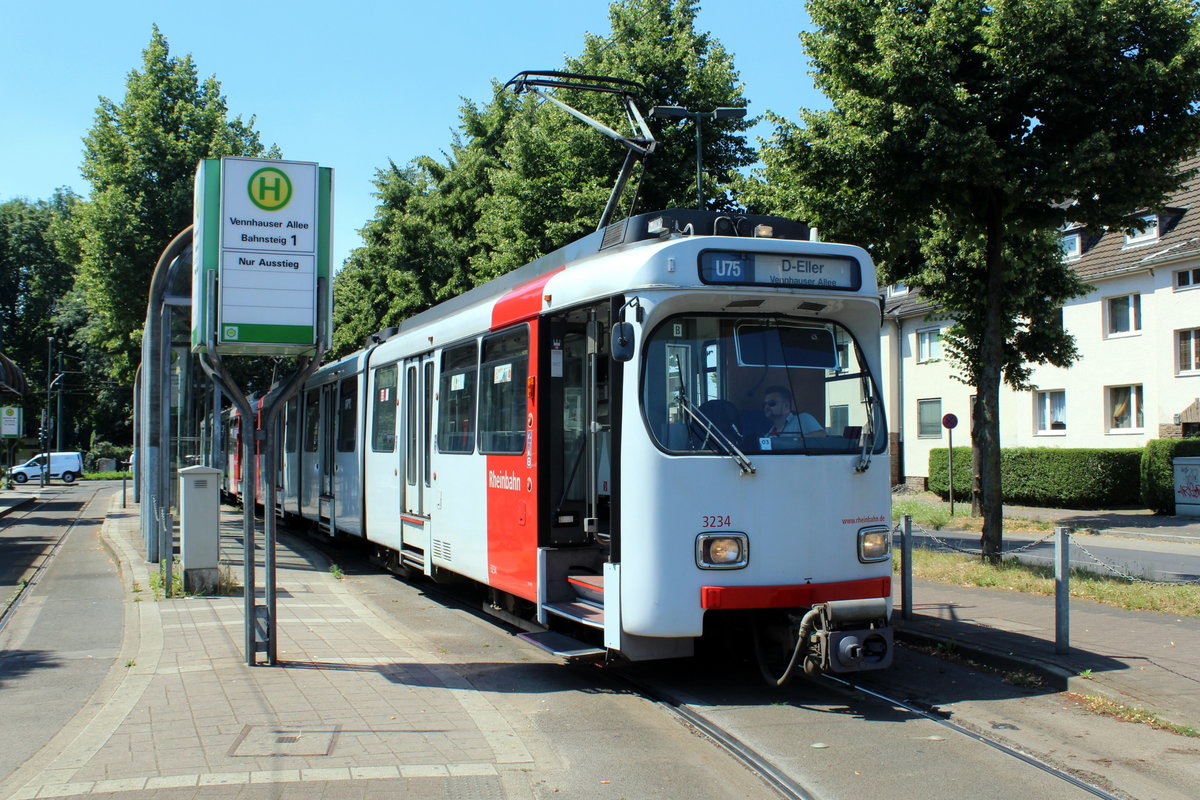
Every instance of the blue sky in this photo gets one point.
(349, 84)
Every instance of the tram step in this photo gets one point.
(562, 646)
(581, 611)
(412, 559)
(588, 587)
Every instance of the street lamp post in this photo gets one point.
(677, 112)
(46, 413)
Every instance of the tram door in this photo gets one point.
(418, 442)
(579, 414)
(325, 457)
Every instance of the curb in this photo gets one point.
(20, 503)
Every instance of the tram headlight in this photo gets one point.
(722, 550)
(874, 544)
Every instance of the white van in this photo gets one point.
(67, 466)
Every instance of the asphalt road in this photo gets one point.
(1141, 558)
(64, 637)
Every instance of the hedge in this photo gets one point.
(1053, 477)
(1157, 475)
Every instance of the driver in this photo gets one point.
(779, 411)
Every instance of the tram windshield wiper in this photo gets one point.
(868, 435)
(711, 431)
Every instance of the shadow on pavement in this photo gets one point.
(16, 663)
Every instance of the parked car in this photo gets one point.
(67, 466)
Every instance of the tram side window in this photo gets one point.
(502, 402)
(291, 425)
(456, 400)
(312, 420)
(383, 416)
(347, 414)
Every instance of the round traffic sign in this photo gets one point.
(949, 422)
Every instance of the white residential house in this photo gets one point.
(1138, 335)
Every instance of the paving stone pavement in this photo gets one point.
(353, 710)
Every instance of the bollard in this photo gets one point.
(906, 603)
(1062, 590)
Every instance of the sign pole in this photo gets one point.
(261, 285)
(950, 422)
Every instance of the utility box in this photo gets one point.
(199, 527)
(1187, 486)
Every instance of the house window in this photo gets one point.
(898, 288)
(929, 418)
(1148, 233)
(1072, 244)
(1051, 411)
(1125, 408)
(1189, 350)
(929, 345)
(839, 419)
(1187, 278)
(1124, 314)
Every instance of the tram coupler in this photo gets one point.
(853, 635)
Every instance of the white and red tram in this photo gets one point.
(586, 436)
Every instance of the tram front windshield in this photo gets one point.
(762, 385)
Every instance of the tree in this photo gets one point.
(140, 157)
(963, 133)
(33, 275)
(557, 173)
(523, 178)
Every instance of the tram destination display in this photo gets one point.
(780, 269)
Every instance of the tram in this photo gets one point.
(674, 421)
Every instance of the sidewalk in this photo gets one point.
(355, 709)
(1131, 522)
(17, 498)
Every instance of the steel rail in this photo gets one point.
(954, 726)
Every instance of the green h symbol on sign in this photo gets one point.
(270, 189)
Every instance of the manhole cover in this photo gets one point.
(262, 741)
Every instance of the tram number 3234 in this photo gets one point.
(715, 521)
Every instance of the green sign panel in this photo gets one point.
(11, 423)
(261, 243)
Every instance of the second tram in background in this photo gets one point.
(672, 421)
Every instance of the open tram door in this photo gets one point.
(579, 534)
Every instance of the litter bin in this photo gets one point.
(1187, 486)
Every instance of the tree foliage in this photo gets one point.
(522, 178)
(140, 158)
(963, 133)
(36, 269)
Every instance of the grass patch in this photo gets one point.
(336, 572)
(932, 514)
(1107, 708)
(159, 577)
(107, 476)
(960, 570)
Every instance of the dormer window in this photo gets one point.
(1148, 233)
(898, 289)
(1072, 244)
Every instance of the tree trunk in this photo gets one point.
(985, 434)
